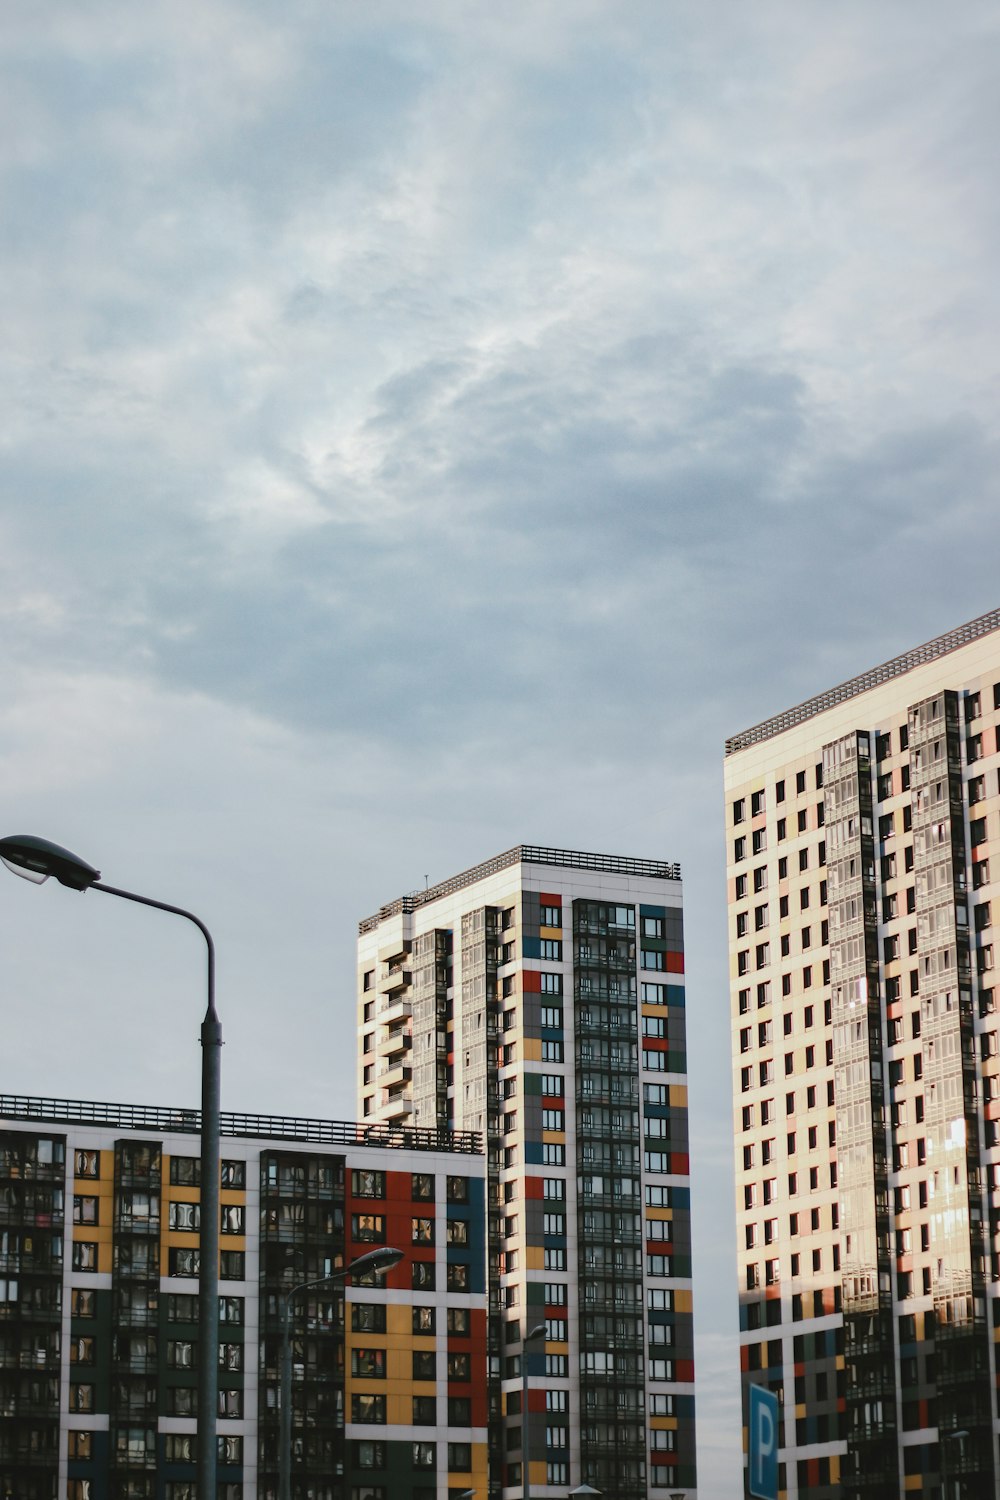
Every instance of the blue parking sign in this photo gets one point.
(763, 1443)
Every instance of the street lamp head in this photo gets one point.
(538, 1332)
(381, 1259)
(36, 859)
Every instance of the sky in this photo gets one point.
(429, 428)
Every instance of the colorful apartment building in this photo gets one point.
(99, 1246)
(539, 998)
(863, 832)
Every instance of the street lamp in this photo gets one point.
(381, 1259)
(531, 1337)
(36, 859)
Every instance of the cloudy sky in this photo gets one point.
(430, 427)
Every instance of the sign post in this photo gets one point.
(763, 1443)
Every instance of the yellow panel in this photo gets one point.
(398, 1409)
(682, 1300)
(534, 1258)
(399, 1319)
(679, 1095)
(556, 1137)
(910, 1482)
(659, 1213)
(533, 1048)
(664, 1424)
(550, 932)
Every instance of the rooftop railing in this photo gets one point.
(527, 854)
(156, 1120)
(929, 651)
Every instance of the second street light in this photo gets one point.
(36, 860)
(382, 1259)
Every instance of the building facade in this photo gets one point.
(863, 835)
(99, 1230)
(539, 999)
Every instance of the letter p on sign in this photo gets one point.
(763, 1443)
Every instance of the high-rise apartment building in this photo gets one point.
(539, 999)
(863, 832)
(99, 1246)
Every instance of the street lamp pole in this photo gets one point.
(536, 1333)
(381, 1259)
(36, 859)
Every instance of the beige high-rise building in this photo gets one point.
(538, 998)
(863, 836)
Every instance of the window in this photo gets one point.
(185, 1171)
(551, 984)
(550, 916)
(368, 1317)
(369, 1409)
(84, 1255)
(758, 840)
(87, 1163)
(368, 1229)
(82, 1303)
(739, 849)
(368, 1364)
(422, 1231)
(85, 1210)
(424, 1411)
(459, 1411)
(232, 1265)
(458, 1232)
(757, 804)
(368, 1455)
(186, 1216)
(458, 1320)
(234, 1174)
(424, 1455)
(551, 948)
(366, 1184)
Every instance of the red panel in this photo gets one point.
(533, 1187)
(744, 1357)
(675, 963)
(546, 898)
(655, 1044)
(680, 1163)
(685, 1369)
(531, 982)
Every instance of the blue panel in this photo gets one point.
(531, 947)
(652, 911)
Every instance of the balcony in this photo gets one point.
(398, 1041)
(396, 1107)
(397, 1010)
(398, 1074)
(396, 977)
